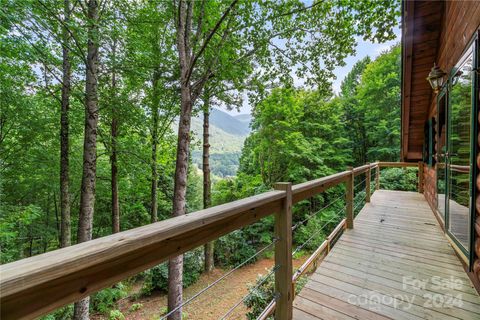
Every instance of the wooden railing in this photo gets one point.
(37, 285)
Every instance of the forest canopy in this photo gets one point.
(97, 100)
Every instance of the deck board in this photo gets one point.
(395, 264)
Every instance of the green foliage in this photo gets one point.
(116, 315)
(222, 164)
(260, 297)
(21, 232)
(403, 179)
(234, 248)
(106, 299)
(64, 313)
(370, 97)
(156, 278)
(135, 307)
(289, 143)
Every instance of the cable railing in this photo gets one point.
(226, 275)
(37, 285)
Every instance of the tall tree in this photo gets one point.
(207, 183)
(65, 237)
(155, 141)
(114, 148)
(87, 195)
(354, 112)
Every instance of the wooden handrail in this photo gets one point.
(397, 164)
(34, 286)
(37, 285)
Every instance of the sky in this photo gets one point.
(364, 48)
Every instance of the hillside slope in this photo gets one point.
(227, 134)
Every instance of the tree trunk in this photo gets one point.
(207, 199)
(113, 155)
(65, 233)
(175, 266)
(154, 168)
(87, 195)
(114, 173)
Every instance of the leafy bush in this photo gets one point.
(135, 307)
(104, 300)
(65, 313)
(17, 223)
(116, 315)
(157, 277)
(316, 229)
(233, 249)
(402, 179)
(260, 297)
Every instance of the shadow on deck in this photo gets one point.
(395, 264)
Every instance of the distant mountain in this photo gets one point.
(227, 134)
(228, 123)
(244, 118)
(221, 141)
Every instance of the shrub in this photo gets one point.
(135, 307)
(64, 313)
(402, 179)
(116, 315)
(312, 233)
(260, 297)
(106, 299)
(157, 277)
(234, 248)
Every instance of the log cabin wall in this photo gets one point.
(459, 24)
(430, 186)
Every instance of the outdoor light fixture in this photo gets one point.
(435, 78)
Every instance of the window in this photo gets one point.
(429, 142)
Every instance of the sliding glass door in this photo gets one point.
(458, 157)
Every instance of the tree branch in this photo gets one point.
(209, 37)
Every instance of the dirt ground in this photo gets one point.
(212, 304)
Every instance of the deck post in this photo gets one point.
(349, 199)
(283, 255)
(377, 176)
(367, 186)
(420, 176)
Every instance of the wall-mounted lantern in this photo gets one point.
(436, 78)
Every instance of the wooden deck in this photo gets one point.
(395, 264)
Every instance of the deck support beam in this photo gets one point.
(283, 255)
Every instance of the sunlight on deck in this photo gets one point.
(395, 264)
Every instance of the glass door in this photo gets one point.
(459, 156)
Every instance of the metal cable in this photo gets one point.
(300, 247)
(360, 183)
(315, 213)
(220, 279)
(250, 292)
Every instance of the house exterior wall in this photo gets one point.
(460, 22)
(430, 189)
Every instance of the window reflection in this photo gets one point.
(460, 99)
